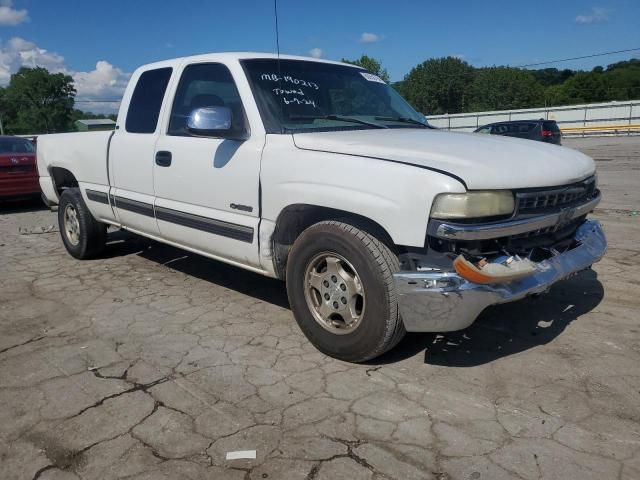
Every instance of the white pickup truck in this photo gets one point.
(320, 174)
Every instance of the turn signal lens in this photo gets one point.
(469, 272)
(473, 204)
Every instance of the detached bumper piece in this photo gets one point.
(513, 268)
(445, 301)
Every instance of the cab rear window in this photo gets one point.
(144, 107)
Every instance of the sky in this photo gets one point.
(100, 43)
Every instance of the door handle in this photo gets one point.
(163, 158)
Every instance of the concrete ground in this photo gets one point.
(153, 363)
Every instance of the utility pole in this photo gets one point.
(1, 127)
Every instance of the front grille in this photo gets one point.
(555, 231)
(549, 200)
(535, 233)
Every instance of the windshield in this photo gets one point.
(15, 145)
(307, 96)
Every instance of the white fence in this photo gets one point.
(621, 118)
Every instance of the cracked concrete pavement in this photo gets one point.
(152, 363)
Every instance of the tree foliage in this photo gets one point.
(371, 64)
(552, 76)
(584, 87)
(502, 88)
(620, 81)
(37, 101)
(449, 85)
(438, 85)
(634, 62)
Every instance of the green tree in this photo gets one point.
(554, 95)
(503, 88)
(6, 109)
(552, 76)
(623, 82)
(438, 85)
(586, 87)
(633, 62)
(39, 101)
(371, 64)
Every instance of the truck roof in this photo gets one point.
(226, 56)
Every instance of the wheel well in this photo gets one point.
(62, 179)
(294, 219)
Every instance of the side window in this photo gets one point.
(485, 130)
(526, 127)
(205, 85)
(144, 108)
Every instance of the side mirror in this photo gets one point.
(211, 121)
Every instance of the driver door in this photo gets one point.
(207, 189)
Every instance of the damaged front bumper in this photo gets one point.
(444, 301)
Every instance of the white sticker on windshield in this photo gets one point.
(371, 77)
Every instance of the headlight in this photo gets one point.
(473, 204)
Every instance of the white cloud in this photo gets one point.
(316, 52)
(103, 82)
(18, 52)
(597, 15)
(368, 37)
(9, 16)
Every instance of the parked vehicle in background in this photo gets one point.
(320, 174)
(18, 172)
(541, 130)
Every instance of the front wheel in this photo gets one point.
(83, 236)
(341, 291)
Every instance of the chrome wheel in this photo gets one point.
(334, 293)
(71, 225)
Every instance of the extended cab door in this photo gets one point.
(131, 154)
(207, 188)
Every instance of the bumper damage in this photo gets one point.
(444, 301)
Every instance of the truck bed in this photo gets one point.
(75, 152)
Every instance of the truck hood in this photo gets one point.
(480, 161)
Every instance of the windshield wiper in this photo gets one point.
(337, 117)
(404, 120)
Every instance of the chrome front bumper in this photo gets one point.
(444, 301)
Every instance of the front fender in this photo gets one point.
(398, 197)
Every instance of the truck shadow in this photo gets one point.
(505, 330)
(121, 243)
(500, 331)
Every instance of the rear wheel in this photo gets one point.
(83, 236)
(341, 291)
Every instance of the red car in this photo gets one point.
(18, 171)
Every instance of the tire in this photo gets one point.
(86, 237)
(363, 328)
